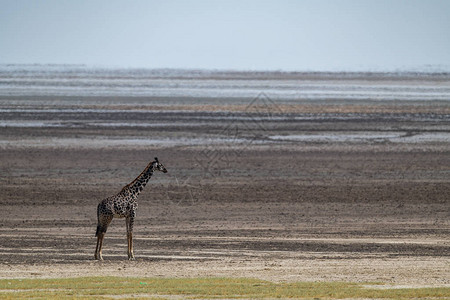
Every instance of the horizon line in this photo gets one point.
(425, 69)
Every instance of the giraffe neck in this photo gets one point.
(136, 186)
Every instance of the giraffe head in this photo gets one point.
(159, 166)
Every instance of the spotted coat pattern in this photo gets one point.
(123, 205)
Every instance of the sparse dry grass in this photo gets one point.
(194, 288)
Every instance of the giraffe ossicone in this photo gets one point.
(123, 205)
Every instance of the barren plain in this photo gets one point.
(283, 190)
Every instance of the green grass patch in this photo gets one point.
(193, 288)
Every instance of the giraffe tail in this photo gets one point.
(98, 230)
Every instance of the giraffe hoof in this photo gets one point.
(131, 258)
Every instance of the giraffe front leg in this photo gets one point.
(130, 246)
(130, 222)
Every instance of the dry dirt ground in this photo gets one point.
(364, 210)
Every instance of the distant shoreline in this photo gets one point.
(199, 72)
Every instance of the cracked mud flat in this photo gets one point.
(308, 205)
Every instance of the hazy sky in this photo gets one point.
(280, 35)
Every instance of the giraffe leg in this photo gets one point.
(98, 249)
(130, 222)
(103, 222)
(130, 246)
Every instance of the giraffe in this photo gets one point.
(123, 205)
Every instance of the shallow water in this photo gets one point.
(75, 106)
(100, 143)
(393, 137)
(85, 82)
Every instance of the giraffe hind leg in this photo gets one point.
(98, 249)
(102, 226)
